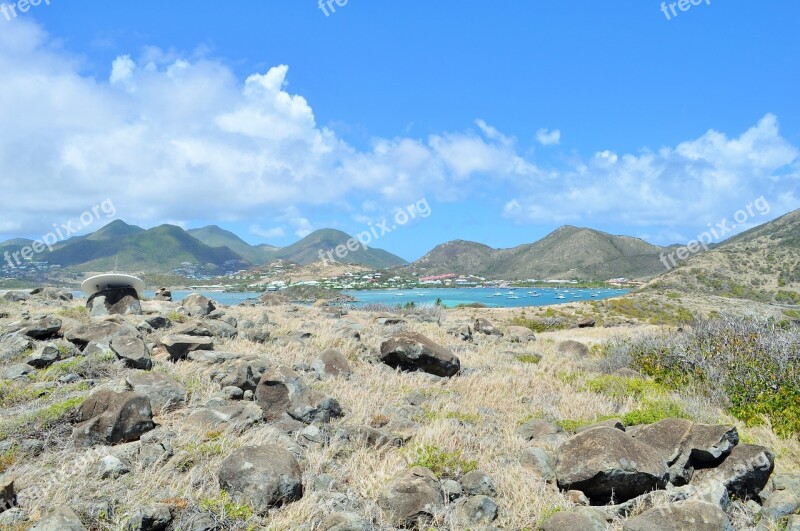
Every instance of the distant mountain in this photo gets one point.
(214, 236)
(761, 264)
(567, 253)
(159, 249)
(115, 229)
(307, 251)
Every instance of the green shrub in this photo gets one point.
(529, 358)
(748, 366)
(541, 324)
(177, 317)
(75, 312)
(441, 462)
(620, 388)
(226, 508)
(653, 411)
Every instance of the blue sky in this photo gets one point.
(272, 119)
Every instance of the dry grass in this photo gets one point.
(475, 414)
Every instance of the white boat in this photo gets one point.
(498, 294)
(561, 297)
(512, 297)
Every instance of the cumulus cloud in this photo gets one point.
(170, 137)
(548, 138)
(694, 183)
(270, 233)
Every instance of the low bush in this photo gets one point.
(441, 462)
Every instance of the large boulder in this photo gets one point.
(132, 351)
(197, 305)
(107, 417)
(240, 415)
(121, 301)
(44, 356)
(8, 494)
(97, 332)
(575, 348)
(281, 391)
(474, 511)
(264, 476)
(744, 472)
(244, 374)
(179, 346)
(542, 433)
(49, 293)
(605, 462)
(164, 393)
(413, 496)
(680, 516)
(410, 351)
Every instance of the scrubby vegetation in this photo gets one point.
(439, 461)
(748, 365)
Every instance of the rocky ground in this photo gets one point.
(195, 416)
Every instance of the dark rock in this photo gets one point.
(331, 363)
(98, 332)
(163, 294)
(281, 391)
(244, 374)
(462, 331)
(43, 328)
(62, 519)
(477, 482)
(574, 348)
(8, 494)
(744, 472)
(483, 326)
(580, 519)
(264, 476)
(410, 351)
(48, 293)
(680, 516)
(16, 296)
(605, 462)
(132, 351)
(541, 432)
(610, 423)
(107, 417)
(19, 371)
(164, 393)
(45, 356)
(540, 461)
(179, 346)
(157, 322)
(197, 305)
(155, 517)
(520, 334)
(121, 301)
(474, 511)
(412, 497)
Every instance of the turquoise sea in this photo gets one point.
(491, 297)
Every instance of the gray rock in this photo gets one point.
(43, 328)
(132, 351)
(281, 391)
(331, 363)
(520, 334)
(44, 356)
(244, 374)
(179, 346)
(19, 371)
(473, 511)
(451, 489)
(540, 461)
(410, 351)
(98, 332)
(197, 305)
(580, 519)
(155, 517)
(264, 476)
(164, 393)
(605, 462)
(13, 518)
(124, 301)
(574, 348)
(484, 326)
(679, 516)
(412, 497)
(478, 482)
(107, 417)
(610, 423)
(16, 296)
(744, 472)
(345, 522)
(232, 392)
(779, 504)
(112, 467)
(540, 432)
(62, 519)
(239, 415)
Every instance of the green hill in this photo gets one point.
(214, 236)
(306, 251)
(160, 249)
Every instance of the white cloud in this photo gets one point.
(171, 137)
(271, 233)
(697, 182)
(548, 138)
